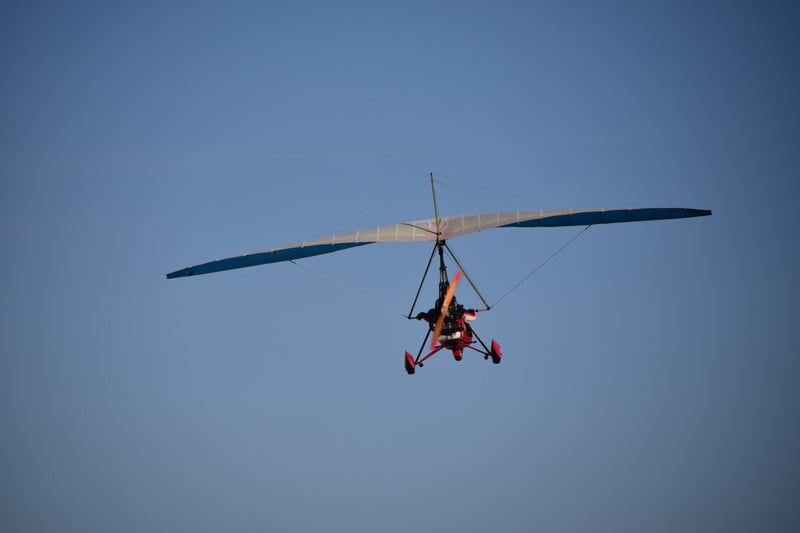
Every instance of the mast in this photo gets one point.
(435, 209)
(444, 283)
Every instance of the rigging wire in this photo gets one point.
(542, 264)
(481, 196)
(371, 206)
(348, 288)
(484, 195)
(340, 283)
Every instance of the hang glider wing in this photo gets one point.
(452, 226)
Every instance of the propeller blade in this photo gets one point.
(451, 290)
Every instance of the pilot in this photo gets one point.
(452, 326)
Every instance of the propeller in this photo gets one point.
(451, 290)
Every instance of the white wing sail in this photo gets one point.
(450, 227)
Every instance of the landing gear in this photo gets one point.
(448, 320)
(494, 353)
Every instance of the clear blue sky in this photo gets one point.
(650, 373)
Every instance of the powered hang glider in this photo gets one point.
(449, 322)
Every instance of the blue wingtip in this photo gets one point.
(262, 258)
(180, 273)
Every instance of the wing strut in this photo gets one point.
(424, 275)
(474, 288)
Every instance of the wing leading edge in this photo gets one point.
(452, 226)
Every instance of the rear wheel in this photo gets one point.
(496, 353)
(409, 364)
